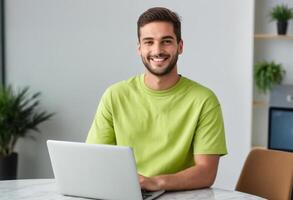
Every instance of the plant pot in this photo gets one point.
(282, 27)
(8, 167)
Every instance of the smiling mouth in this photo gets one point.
(159, 59)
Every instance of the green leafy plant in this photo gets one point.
(18, 116)
(281, 13)
(268, 74)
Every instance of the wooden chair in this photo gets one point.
(268, 174)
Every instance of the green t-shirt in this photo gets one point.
(164, 128)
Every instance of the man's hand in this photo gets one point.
(150, 183)
(201, 175)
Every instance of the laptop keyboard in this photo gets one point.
(145, 194)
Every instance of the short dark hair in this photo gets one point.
(160, 14)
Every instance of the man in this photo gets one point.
(173, 124)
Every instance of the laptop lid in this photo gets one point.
(94, 171)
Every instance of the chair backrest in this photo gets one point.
(268, 174)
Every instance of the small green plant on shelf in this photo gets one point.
(281, 13)
(267, 75)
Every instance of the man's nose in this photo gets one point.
(157, 49)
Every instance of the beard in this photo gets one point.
(165, 69)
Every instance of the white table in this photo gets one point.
(45, 189)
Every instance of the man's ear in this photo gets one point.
(180, 47)
(138, 48)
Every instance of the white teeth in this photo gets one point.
(158, 59)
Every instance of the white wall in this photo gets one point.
(278, 50)
(72, 50)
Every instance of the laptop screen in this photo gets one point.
(281, 129)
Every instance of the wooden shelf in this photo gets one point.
(273, 36)
(259, 104)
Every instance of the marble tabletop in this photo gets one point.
(45, 189)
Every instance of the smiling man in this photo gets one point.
(173, 124)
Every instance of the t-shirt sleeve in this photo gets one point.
(209, 135)
(102, 131)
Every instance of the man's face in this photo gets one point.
(159, 48)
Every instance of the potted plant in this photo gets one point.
(18, 116)
(268, 74)
(281, 13)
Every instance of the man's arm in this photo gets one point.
(201, 175)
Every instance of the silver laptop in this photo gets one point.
(96, 171)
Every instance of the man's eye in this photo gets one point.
(148, 42)
(167, 41)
